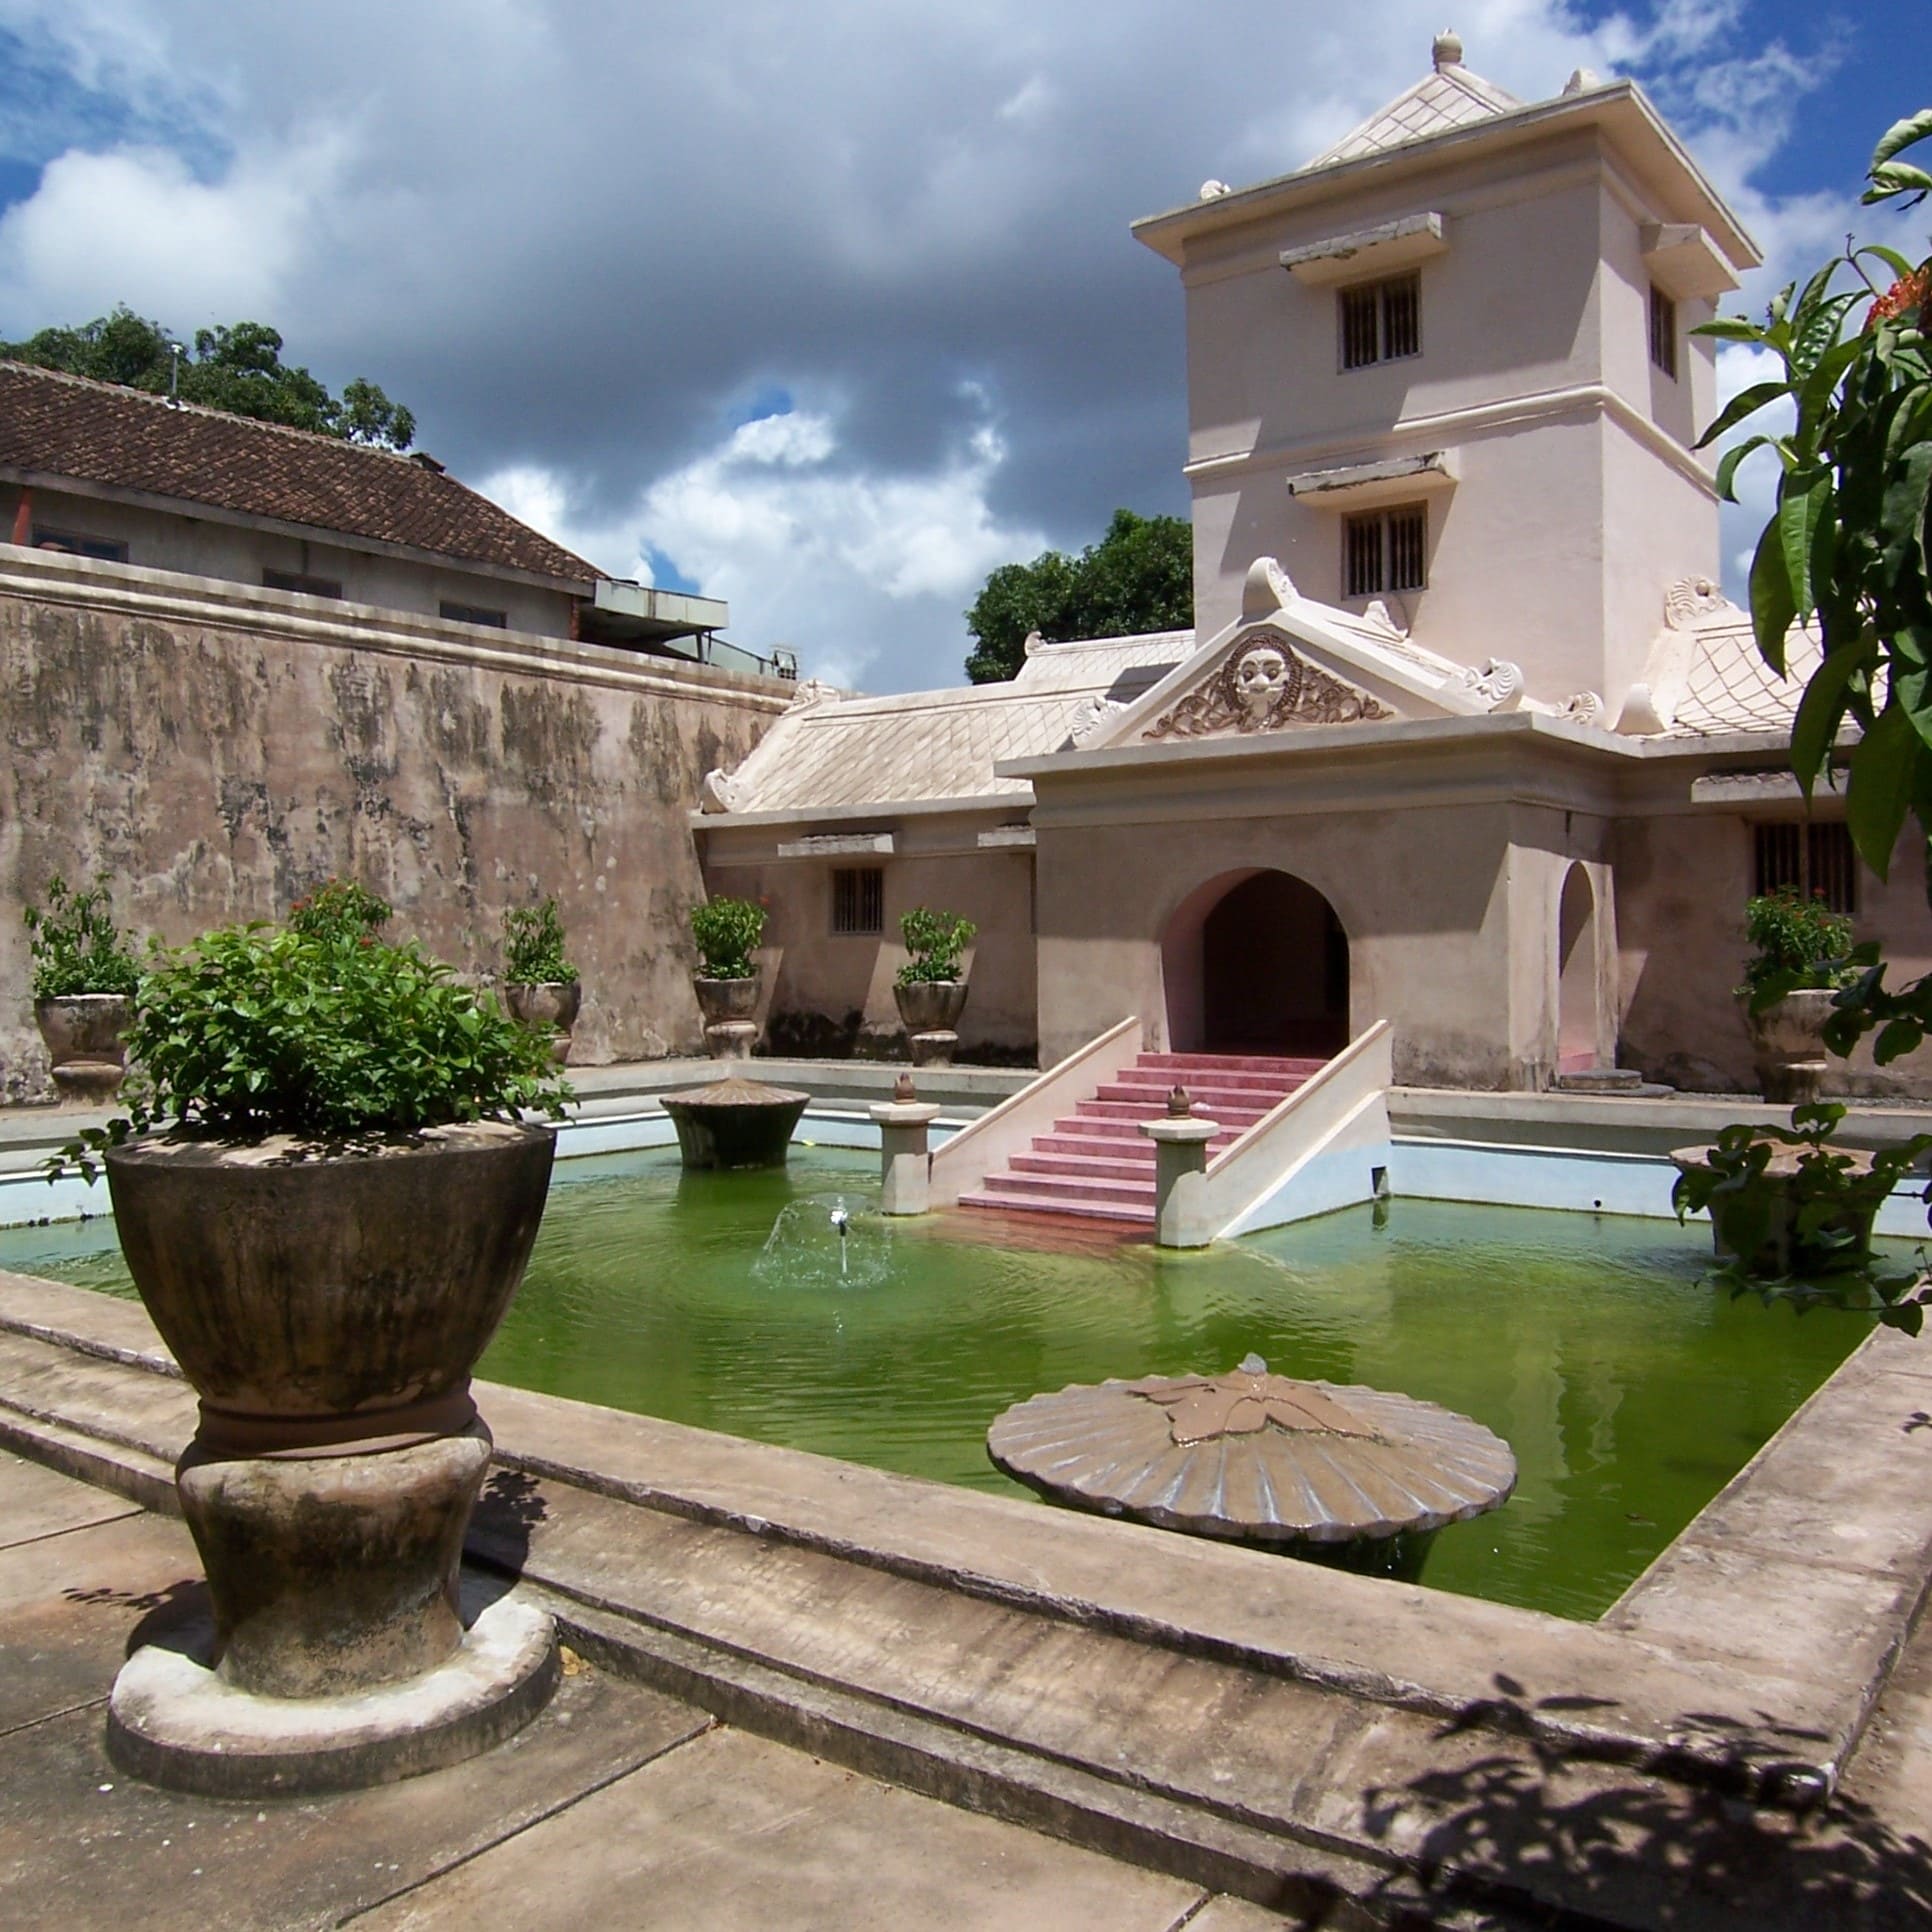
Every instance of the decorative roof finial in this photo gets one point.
(1447, 51)
(903, 1089)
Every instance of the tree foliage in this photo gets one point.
(237, 368)
(1138, 577)
(1849, 546)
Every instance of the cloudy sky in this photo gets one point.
(823, 309)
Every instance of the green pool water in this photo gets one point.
(1629, 1389)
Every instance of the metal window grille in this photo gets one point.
(1362, 556)
(1385, 550)
(858, 900)
(1813, 860)
(1663, 332)
(1401, 318)
(1381, 321)
(1408, 533)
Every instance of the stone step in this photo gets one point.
(1216, 1080)
(1081, 1163)
(1289, 1066)
(1118, 1104)
(1059, 1187)
(995, 1197)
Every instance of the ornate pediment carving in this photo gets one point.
(1264, 685)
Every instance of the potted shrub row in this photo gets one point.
(1798, 965)
(540, 986)
(84, 976)
(727, 931)
(931, 986)
(326, 1186)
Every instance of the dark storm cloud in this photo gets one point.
(577, 238)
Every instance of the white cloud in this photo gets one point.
(134, 225)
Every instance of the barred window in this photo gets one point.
(1385, 550)
(858, 900)
(301, 581)
(77, 545)
(1663, 332)
(1380, 321)
(1813, 860)
(474, 614)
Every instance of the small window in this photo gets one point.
(76, 545)
(1814, 860)
(474, 614)
(858, 900)
(1385, 550)
(1663, 332)
(299, 581)
(1381, 321)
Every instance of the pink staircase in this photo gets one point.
(1096, 1162)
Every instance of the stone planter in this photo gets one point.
(83, 1034)
(328, 1311)
(1788, 1045)
(1777, 1247)
(730, 1010)
(550, 1003)
(929, 1009)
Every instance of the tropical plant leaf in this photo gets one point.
(1773, 608)
(1746, 402)
(1901, 135)
(1822, 710)
(1883, 775)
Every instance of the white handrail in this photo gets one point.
(1256, 1161)
(985, 1145)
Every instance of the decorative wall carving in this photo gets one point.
(1092, 717)
(1691, 601)
(813, 691)
(1496, 684)
(1263, 685)
(721, 792)
(1583, 707)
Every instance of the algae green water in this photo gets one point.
(1630, 1390)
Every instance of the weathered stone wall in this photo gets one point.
(219, 750)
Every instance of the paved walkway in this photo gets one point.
(618, 1807)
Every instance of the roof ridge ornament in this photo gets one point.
(1268, 589)
(1447, 50)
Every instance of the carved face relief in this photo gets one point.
(1260, 676)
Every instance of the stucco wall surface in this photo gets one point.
(1682, 883)
(219, 753)
(827, 992)
(238, 553)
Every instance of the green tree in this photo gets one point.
(237, 369)
(1138, 577)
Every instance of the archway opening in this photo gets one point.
(1256, 962)
(1577, 980)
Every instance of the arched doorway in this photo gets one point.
(1256, 962)
(1578, 984)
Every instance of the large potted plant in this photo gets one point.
(327, 1188)
(726, 982)
(931, 986)
(540, 986)
(84, 979)
(1798, 965)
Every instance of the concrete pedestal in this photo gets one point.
(933, 1049)
(1181, 1218)
(336, 1656)
(730, 1039)
(905, 1162)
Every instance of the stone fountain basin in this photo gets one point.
(735, 1123)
